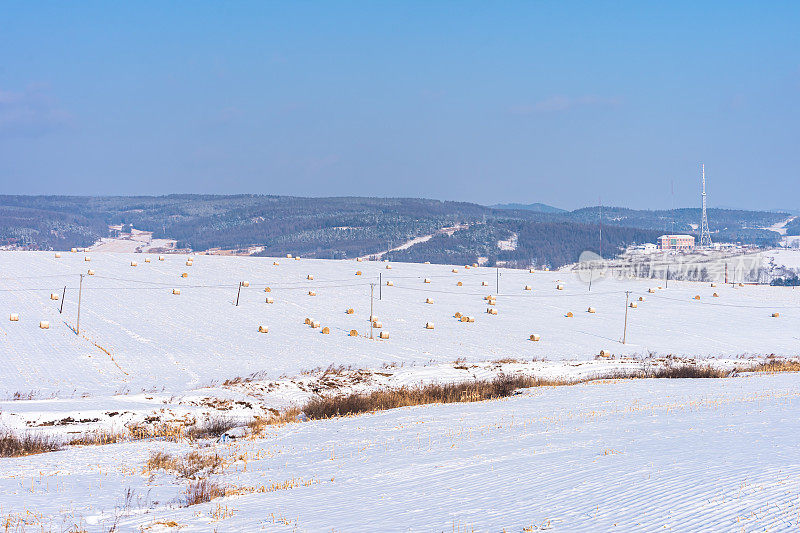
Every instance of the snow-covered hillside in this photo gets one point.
(621, 455)
(135, 334)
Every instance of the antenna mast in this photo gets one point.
(705, 234)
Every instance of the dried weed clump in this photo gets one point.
(13, 445)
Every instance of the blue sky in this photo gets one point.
(555, 102)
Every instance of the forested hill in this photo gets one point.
(349, 227)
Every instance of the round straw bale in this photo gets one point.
(312, 293)
(528, 288)
(591, 310)
(459, 284)
(388, 267)
(326, 330)
(350, 311)
(569, 314)
(457, 315)
(697, 297)
(310, 276)
(263, 329)
(185, 275)
(90, 272)
(133, 263)
(176, 291)
(353, 333)
(58, 254)
(715, 295)
(87, 258)
(267, 289)
(270, 300)
(484, 284)
(428, 300)
(53, 296)
(146, 259)
(44, 324)
(275, 263)
(390, 283)
(605, 353)
(245, 284)
(315, 324)
(535, 337)
(454, 271)
(426, 280)
(383, 335)
(776, 315)
(428, 325)
(560, 287)
(491, 310)
(358, 272)
(634, 305)
(376, 324)
(160, 257)
(14, 317)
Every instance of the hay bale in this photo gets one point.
(373, 318)
(44, 324)
(245, 283)
(459, 284)
(390, 283)
(428, 300)
(457, 315)
(466, 267)
(358, 259)
(73, 250)
(288, 256)
(307, 321)
(350, 311)
(160, 257)
(90, 272)
(58, 254)
(134, 263)
(535, 337)
(492, 302)
(634, 305)
(428, 325)
(454, 271)
(713, 284)
(559, 287)
(471, 319)
(491, 311)
(358, 272)
(484, 284)
(53, 296)
(353, 333)
(87, 258)
(427, 262)
(569, 314)
(715, 295)
(275, 263)
(14, 317)
(383, 335)
(776, 315)
(488, 297)
(312, 293)
(326, 330)
(146, 259)
(270, 300)
(641, 298)
(388, 267)
(267, 289)
(464, 318)
(185, 275)
(263, 329)
(176, 291)
(297, 259)
(528, 288)
(741, 284)
(474, 265)
(310, 276)
(314, 324)
(591, 310)
(377, 324)
(697, 297)
(189, 263)
(604, 353)
(651, 291)
(660, 288)
(426, 280)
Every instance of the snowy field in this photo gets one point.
(136, 335)
(624, 454)
(621, 455)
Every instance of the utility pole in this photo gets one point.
(78, 323)
(371, 308)
(238, 293)
(600, 201)
(63, 294)
(666, 282)
(380, 286)
(625, 331)
(591, 275)
(497, 268)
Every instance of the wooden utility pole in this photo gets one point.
(380, 285)
(497, 268)
(78, 323)
(666, 283)
(371, 308)
(625, 331)
(238, 293)
(591, 275)
(63, 295)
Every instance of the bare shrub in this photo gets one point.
(202, 491)
(13, 445)
(189, 466)
(776, 365)
(212, 428)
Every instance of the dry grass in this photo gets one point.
(279, 418)
(202, 491)
(776, 365)
(12, 445)
(685, 371)
(190, 466)
(211, 428)
(99, 438)
(351, 404)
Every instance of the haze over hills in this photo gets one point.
(347, 227)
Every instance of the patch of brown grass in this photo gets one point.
(202, 491)
(351, 404)
(776, 365)
(13, 445)
(99, 438)
(278, 418)
(190, 466)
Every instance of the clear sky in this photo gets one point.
(555, 102)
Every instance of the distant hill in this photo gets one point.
(348, 227)
(536, 207)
